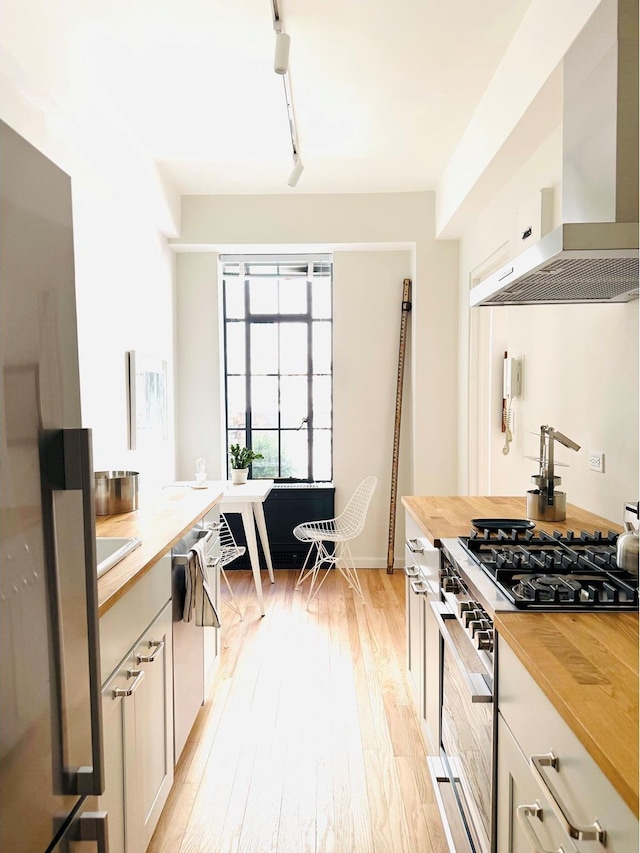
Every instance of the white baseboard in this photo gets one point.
(376, 563)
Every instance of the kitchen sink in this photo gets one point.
(111, 549)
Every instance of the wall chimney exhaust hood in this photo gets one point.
(593, 255)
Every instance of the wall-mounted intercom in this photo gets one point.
(512, 378)
(511, 388)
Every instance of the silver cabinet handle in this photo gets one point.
(137, 675)
(412, 545)
(157, 646)
(524, 814)
(419, 587)
(411, 571)
(476, 685)
(593, 832)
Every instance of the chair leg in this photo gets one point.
(345, 564)
(302, 576)
(233, 604)
(323, 558)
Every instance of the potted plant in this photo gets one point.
(241, 458)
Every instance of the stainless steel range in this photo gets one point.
(554, 572)
(481, 574)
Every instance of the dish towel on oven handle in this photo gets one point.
(198, 593)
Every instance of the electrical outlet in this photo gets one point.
(596, 461)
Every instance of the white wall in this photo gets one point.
(367, 318)
(124, 272)
(584, 382)
(580, 371)
(198, 366)
(124, 275)
(367, 303)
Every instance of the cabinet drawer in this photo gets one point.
(580, 785)
(126, 621)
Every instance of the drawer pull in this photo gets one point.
(411, 571)
(412, 545)
(137, 675)
(157, 646)
(593, 832)
(419, 587)
(524, 815)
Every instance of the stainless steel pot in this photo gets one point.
(115, 492)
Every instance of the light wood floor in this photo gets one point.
(309, 742)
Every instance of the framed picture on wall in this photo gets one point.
(147, 400)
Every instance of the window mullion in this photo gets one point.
(247, 378)
(279, 435)
(309, 379)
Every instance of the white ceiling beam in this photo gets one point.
(515, 112)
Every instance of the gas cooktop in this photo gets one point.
(554, 571)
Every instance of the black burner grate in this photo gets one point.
(555, 571)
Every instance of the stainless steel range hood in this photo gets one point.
(593, 255)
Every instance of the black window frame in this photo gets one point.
(322, 263)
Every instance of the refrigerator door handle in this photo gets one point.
(66, 463)
(90, 826)
(94, 826)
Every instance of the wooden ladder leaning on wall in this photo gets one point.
(404, 319)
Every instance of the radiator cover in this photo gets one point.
(287, 505)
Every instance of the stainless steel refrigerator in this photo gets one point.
(50, 712)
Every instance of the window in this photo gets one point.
(278, 363)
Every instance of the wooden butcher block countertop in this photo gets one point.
(587, 666)
(585, 663)
(449, 517)
(159, 523)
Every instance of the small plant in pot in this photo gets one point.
(241, 458)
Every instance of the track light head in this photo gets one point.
(281, 58)
(296, 172)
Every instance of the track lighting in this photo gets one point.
(281, 58)
(296, 172)
(281, 66)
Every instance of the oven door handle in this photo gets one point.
(476, 685)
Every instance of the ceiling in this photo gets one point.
(381, 91)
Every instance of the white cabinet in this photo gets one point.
(523, 820)
(137, 705)
(542, 765)
(422, 635)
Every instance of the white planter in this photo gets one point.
(239, 476)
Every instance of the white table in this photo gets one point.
(247, 500)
